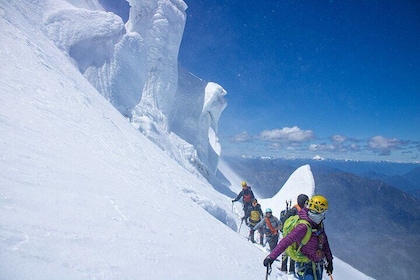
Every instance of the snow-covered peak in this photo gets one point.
(300, 182)
(318, 157)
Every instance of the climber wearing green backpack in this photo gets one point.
(302, 201)
(306, 242)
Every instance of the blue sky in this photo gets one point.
(339, 79)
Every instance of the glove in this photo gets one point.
(268, 261)
(233, 200)
(329, 267)
(251, 232)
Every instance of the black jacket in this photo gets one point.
(247, 194)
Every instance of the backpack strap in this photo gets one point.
(308, 233)
(272, 229)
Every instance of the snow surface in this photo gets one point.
(83, 194)
(301, 181)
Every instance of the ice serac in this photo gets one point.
(69, 30)
(195, 116)
(178, 111)
(161, 25)
(93, 40)
(135, 66)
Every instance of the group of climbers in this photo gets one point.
(304, 241)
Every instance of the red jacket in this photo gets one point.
(246, 194)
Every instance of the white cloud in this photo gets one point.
(338, 139)
(321, 147)
(287, 134)
(313, 147)
(382, 145)
(241, 137)
(354, 147)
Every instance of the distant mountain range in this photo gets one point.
(268, 174)
(408, 182)
(373, 221)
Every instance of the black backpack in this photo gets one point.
(284, 213)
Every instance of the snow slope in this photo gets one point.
(86, 196)
(301, 181)
(83, 194)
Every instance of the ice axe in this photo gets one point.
(268, 271)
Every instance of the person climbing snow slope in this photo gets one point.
(310, 254)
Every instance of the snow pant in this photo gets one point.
(284, 260)
(272, 240)
(252, 232)
(309, 270)
(246, 206)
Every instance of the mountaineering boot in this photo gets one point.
(251, 236)
(252, 239)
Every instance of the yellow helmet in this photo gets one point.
(243, 184)
(318, 203)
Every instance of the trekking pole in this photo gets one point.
(268, 271)
(239, 230)
(232, 206)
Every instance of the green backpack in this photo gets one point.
(293, 251)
